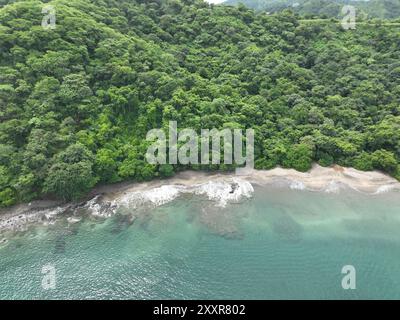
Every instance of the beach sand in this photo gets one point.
(317, 179)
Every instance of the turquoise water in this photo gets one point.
(281, 244)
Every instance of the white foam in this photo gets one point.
(94, 207)
(74, 219)
(223, 192)
(162, 195)
(385, 188)
(53, 213)
(157, 197)
(20, 221)
(297, 185)
(332, 187)
(98, 208)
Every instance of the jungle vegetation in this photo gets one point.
(382, 9)
(77, 101)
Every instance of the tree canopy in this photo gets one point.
(383, 9)
(77, 101)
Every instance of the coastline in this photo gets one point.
(219, 187)
(317, 179)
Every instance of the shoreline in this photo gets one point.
(318, 179)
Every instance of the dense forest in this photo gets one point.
(77, 101)
(383, 9)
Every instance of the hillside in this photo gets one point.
(77, 101)
(384, 9)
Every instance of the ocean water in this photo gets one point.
(278, 244)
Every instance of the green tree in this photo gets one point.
(299, 157)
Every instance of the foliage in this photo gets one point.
(77, 101)
(384, 9)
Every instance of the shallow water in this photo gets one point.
(280, 244)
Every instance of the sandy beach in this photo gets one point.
(219, 187)
(317, 179)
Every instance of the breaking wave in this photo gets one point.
(332, 187)
(20, 221)
(222, 192)
(297, 185)
(157, 197)
(385, 188)
(99, 208)
(231, 190)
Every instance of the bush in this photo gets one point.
(7, 197)
(69, 181)
(71, 174)
(363, 162)
(384, 160)
(397, 173)
(166, 170)
(325, 160)
(299, 157)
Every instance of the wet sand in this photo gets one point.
(317, 179)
